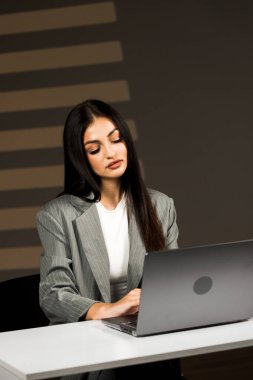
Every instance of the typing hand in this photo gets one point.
(129, 304)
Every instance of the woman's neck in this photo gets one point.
(111, 194)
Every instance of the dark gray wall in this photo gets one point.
(189, 66)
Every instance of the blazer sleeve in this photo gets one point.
(59, 296)
(172, 229)
(167, 215)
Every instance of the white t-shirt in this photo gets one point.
(114, 225)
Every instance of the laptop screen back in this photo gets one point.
(195, 287)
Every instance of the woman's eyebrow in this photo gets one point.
(110, 133)
(97, 141)
(91, 142)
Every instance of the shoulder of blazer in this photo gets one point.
(164, 206)
(68, 205)
(159, 198)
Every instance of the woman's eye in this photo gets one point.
(117, 140)
(94, 151)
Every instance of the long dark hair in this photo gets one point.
(80, 180)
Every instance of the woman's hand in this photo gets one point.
(129, 304)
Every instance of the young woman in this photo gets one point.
(95, 234)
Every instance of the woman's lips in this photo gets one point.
(114, 164)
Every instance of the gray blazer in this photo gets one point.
(74, 263)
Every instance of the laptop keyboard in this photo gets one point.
(132, 323)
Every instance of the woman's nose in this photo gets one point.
(109, 150)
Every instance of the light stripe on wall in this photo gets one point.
(32, 178)
(18, 218)
(56, 18)
(38, 138)
(69, 56)
(20, 258)
(32, 138)
(63, 96)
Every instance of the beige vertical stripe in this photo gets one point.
(64, 96)
(142, 169)
(20, 258)
(18, 218)
(68, 56)
(64, 17)
(39, 138)
(31, 178)
(132, 126)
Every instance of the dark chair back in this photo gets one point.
(19, 299)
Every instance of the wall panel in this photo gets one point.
(52, 56)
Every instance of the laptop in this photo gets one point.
(192, 288)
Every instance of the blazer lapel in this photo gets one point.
(136, 255)
(93, 244)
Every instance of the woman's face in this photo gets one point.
(105, 150)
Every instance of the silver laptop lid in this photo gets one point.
(195, 287)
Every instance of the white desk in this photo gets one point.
(89, 346)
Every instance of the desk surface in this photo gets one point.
(89, 346)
